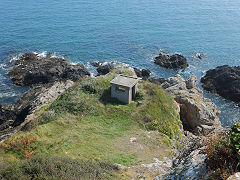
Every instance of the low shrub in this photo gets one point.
(224, 154)
(43, 167)
(234, 136)
(23, 146)
(74, 102)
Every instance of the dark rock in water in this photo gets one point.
(200, 56)
(144, 73)
(32, 69)
(104, 69)
(175, 61)
(225, 81)
(95, 63)
(138, 72)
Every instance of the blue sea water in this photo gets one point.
(126, 31)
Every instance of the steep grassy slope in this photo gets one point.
(86, 124)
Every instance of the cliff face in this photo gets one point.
(199, 114)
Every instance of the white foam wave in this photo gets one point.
(42, 54)
(178, 53)
(74, 63)
(12, 94)
(15, 57)
(54, 55)
(3, 66)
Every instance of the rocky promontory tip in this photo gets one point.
(225, 81)
(32, 69)
(55, 76)
(199, 115)
(175, 61)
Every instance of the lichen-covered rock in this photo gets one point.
(199, 114)
(225, 81)
(32, 69)
(191, 82)
(175, 61)
(191, 168)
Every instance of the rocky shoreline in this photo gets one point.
(54, 75)
(48, 78)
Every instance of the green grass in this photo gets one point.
(85, 123)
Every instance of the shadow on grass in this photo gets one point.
(107, 99)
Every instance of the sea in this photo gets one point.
(132, 32)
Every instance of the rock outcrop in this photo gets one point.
(158, 81)
(13, 117)
(193, 167)
(199, 115)
(95, 63)
(7, 116)
(50, 76)
(104, 69)
(225, 81)
(143, 73)
(32, 69)
(175, 61)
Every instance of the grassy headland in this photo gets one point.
(86, 126)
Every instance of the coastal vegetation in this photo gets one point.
(224, 153)
(84, 132)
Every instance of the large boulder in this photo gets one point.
(104, 69)
(199, 114)
(175, 61)
(143, 73)
(32, 69)
(95, 63)
(225, 81)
